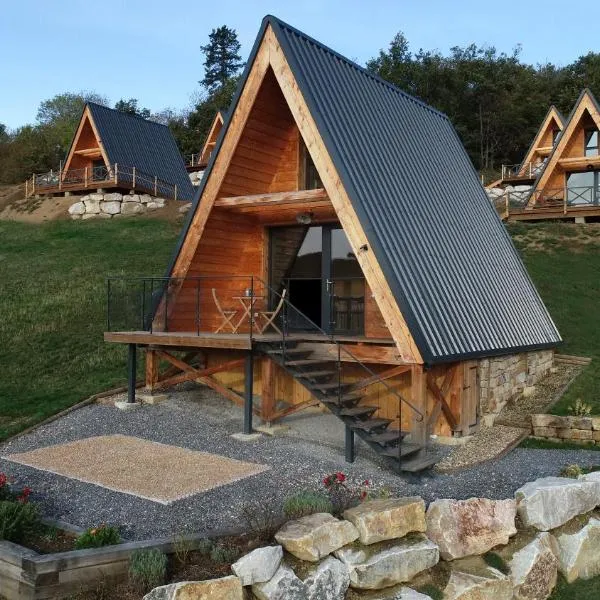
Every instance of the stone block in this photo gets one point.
(544, 432)
(111, 208)
(92, 206)
(259, 565)
(77, 209)
(596, 423)
(384, 565)
(492, 585)
(284, 585)
(550, 502)
(579, 553)
(580, 422)
(113, 197)
(328, 581)
(565, 434)
(145, 198)
(315, 536)
(581, 434)
(379, 520)
(548, 421)
(467, 527)
(131, 208)
(225, 588)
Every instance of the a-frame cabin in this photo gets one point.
(200, 161)
(118, 151)
(324, 262)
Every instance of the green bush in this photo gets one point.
(18, 520)
(147, 569)
(205, 546)
(96, 537)
(306, 503)
(223, 554)
(572, 471)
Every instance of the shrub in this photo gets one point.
(305, 503)
(572, 471)
(18, 520)
(182, 547)
(96, 537)
(223, 554)
(147, 569)
(579, 408)
(205, 546)
(261, 519)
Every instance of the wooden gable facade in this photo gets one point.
(278, 300)
(87, 151)
(543, 143)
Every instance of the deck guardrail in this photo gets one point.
(94, 177)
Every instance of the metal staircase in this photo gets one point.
(323, 378)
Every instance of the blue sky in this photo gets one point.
(150, 49)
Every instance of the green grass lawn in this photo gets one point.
(53, 302)
(564, 262)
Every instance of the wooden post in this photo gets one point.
(267, 381)
(155, 185)
(565, 200)
(131, 372)
(116, 174)
(248, 391)
(26, 187)
(175, 191)
(418, 432)
(33, 184)
(60, 176)
(133, 183)
(507, 202)
(152, 363)
(85, 176)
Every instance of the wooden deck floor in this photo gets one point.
(234, 341)
(554, 212)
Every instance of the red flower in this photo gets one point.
(363, 495)
(340, 477)
(366, 482)
(24, 496)
(3, 480)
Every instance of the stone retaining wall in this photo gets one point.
(108, 205)
(582, 430)
(504, 377)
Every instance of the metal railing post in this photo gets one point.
(175, 191)
(197, 306)
(152, 303)
(116, 174)
(108, 305)
(155, 185)
(565, 193)
(143, 315)
(85, 177)
(133, 179)
(132, 369)
(251, 308)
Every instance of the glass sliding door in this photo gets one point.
(583, 188)
(323, 278)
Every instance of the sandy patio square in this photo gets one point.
(139, 467)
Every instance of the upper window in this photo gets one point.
(555, 136)
(310, 179)
(591, 142)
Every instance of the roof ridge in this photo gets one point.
(127, 114)
(275, 20)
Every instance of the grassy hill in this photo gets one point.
(52, 295)
(52, 298)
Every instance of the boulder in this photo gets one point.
(226, 588)
(468, 586)
(579, 553)
(153, 206)
(466, 527)
(495, 192)
(113, 197)
(328, 581)
(379, 520)
(522, 188)
(377, 567)
(284, 585)
(90, 216)
(552, 501)
(92, 206)
(110, 208)
(160, 202)
(259, 565)
(185, 208)
(315, 536)
(405, 593)
(77, 209)
(145, 198)
(131, 208)
(132, 198)
(534, 568)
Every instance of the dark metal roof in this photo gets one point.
(447, 257)
(132, 141)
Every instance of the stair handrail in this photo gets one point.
(340, 348)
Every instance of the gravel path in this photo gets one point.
(201, 420)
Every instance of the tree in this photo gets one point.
(4, 136)
(131, 107)
(223, 60)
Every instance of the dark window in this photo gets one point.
(555, 136)
(310, 179)
(591, 142)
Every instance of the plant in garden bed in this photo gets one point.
(344, 494)
(147, 569)
(306, 502)
(96, 537)
(19, 518)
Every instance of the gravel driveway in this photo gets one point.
(201, 420)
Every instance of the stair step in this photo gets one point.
(388, 438)
(358, 411)
(346, 399)
(330, 386)
(307, 362)
(406, 449)
(371, 424)
(289, 352)
(315, 374)
(419, 463)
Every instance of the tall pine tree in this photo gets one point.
(223, 60)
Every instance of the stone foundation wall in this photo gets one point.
(107, 205)
(582, 430)
(504, 377)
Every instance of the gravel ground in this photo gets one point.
(201, 420)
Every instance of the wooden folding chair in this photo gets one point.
(226, 315)
(271, 315)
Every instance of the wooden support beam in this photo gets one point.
(439, 396)
(273, 199)
(152, 364)
(393, 372)
(267, 395)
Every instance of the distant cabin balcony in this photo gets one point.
(92, 178)
(521, 173)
